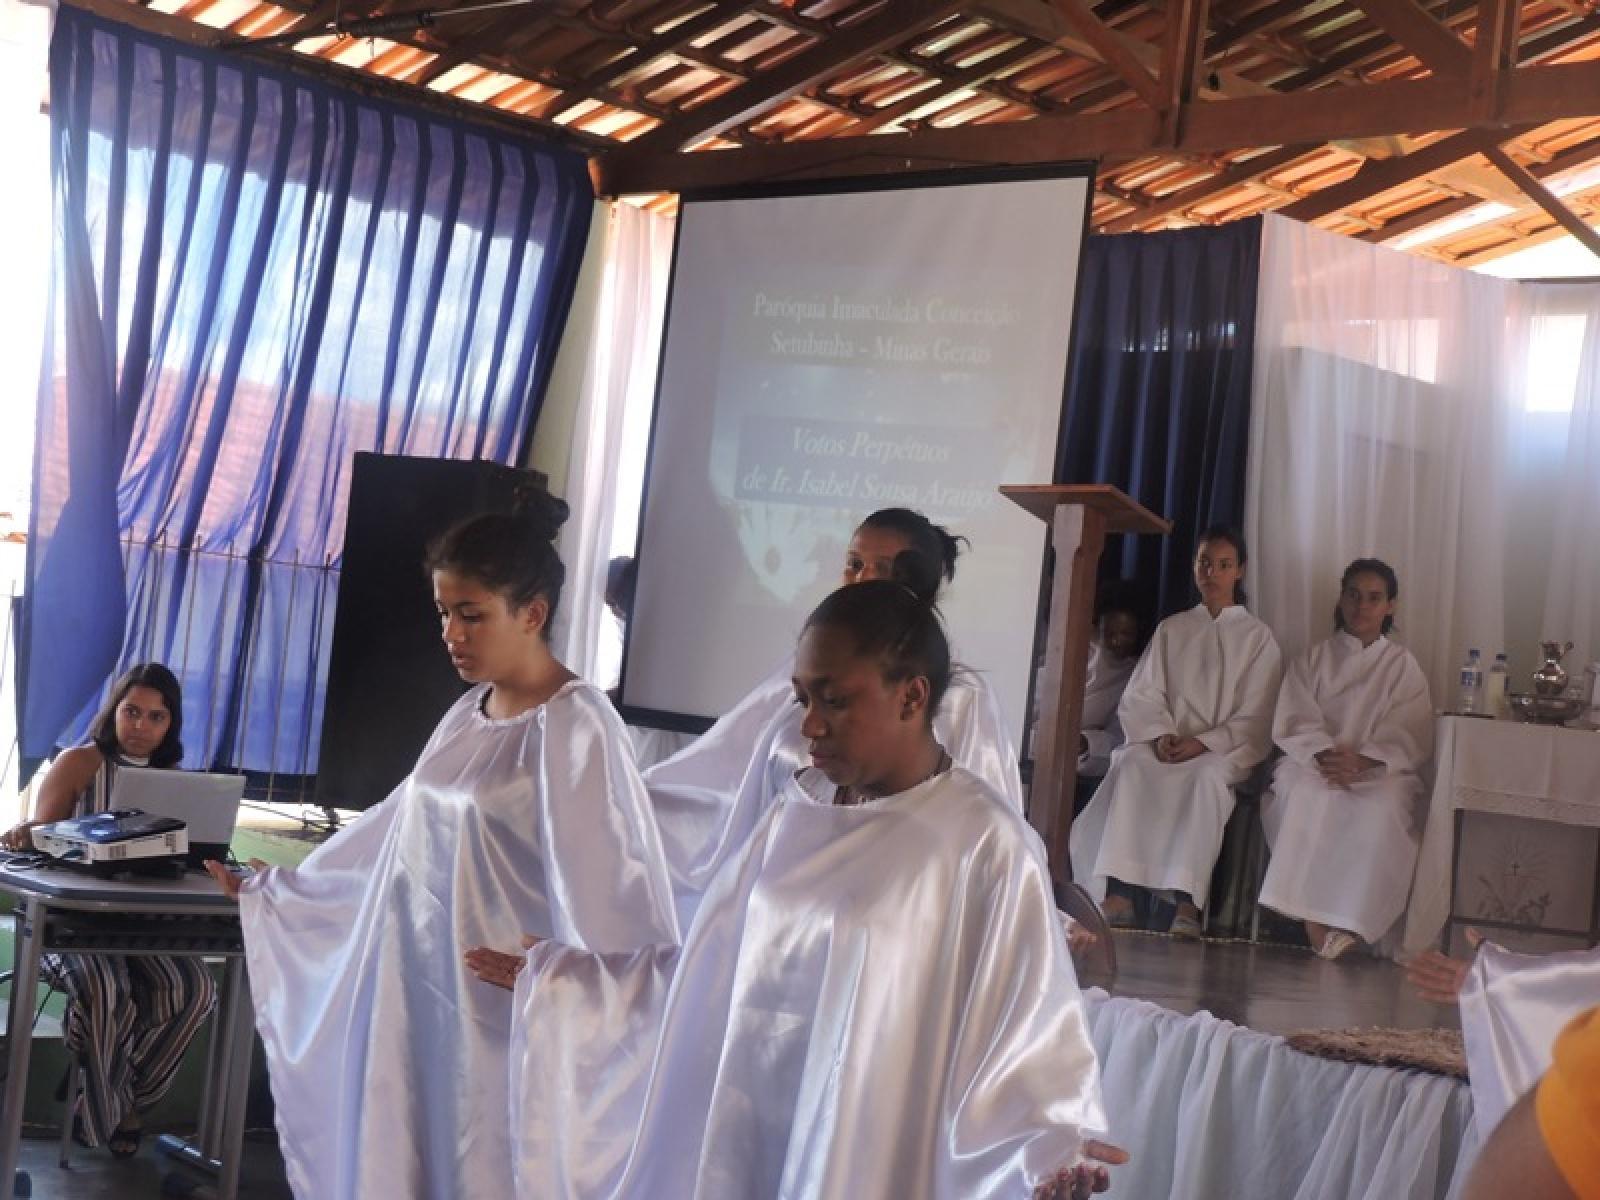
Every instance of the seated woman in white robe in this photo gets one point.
(1513, 1006)
(1197, 715)
(875, 999)
(524, 813)
(1355, 725)
(709, 797)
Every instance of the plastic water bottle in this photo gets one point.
(1470, 698)
(1496, 689)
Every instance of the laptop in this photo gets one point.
(207, 803)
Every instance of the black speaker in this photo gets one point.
(389, 678)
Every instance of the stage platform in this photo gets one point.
(1201, 1088)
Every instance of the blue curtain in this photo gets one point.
(255, 276)
(1159, 399)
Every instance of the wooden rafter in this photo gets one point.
(1433, 44)
(1113, 50)
(1534, 95)
(1181, 55)
(1377, 177)
(1495, 52)
(1544, 198)
(969, 77)
(501, 40)
(1431, 214)
(1248, 171)
(895, 22)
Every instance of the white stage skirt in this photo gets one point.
(1211, 1110)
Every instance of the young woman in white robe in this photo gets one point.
(709, 797)
(1513, 1006)
(1197, 716)
(875, 999)
(524, 813)
(1355, 725)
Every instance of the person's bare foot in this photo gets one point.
(1316, 934)
(1118, 911)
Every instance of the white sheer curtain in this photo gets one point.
(1559, 502)
(1380, 426)
(613, 414)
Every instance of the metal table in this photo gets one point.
(62, 911)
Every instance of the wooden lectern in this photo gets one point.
(1079, 516)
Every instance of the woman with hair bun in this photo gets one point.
(1355, 725)
(524, 813)
(875, 998)
(709, 796)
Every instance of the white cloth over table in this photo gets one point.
(1213, 1111)
(1344, 856)
(709, 797)
(1156, 824)
(1512, 1008)
(875, 1001)
(387, 1058)
(1542, 772)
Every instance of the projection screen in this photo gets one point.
(832, 352)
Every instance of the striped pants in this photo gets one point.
(128, 1022)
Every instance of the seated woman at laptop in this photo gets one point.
(128, 1020)
(524, 812)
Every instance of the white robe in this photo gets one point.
(710, 796)
(1159, 825)
(387, 1059)
(1345, 856)
(874, 1002)
(1105, 679)
(1512, 1008)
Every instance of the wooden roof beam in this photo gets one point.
(1379, 175)
(891, 24)
(1534, 95)
(1567, 159)
(1544, 198)
(1495, 54)
(1249, 171)
(1433, 44)
(1047, 24)
(1112, 49)
(969, 77)
(1181, 56)
(716, 14)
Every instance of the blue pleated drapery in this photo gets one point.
(255, 276)
(1159, 397)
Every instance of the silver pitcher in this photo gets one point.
(1551, 678)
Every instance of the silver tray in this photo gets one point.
(1548, 710)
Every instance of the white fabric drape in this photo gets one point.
(1208, 1109)
(620, 375)
(1379, 423)
(1571, 608)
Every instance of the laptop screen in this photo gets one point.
(207, 803)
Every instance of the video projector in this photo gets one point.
(119, 840)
